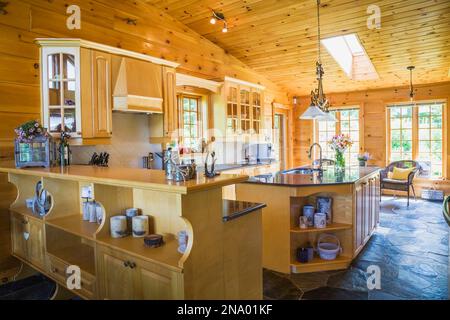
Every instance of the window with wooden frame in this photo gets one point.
(190, 110)
(417, 132)
(348, 123)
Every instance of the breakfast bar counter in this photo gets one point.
(354, 193)
(218, 262)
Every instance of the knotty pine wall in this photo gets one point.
(372, 105)
(103, 21)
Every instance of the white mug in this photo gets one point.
(320, 220)
(140, 226)
(118, 226)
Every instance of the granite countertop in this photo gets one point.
(328, 177)
(234, 209)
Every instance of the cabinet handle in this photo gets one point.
(132, 265)
(126, 264)
(24, 222)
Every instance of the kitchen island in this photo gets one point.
(220, 260)
(355, 194)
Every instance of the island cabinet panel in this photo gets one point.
(28, 239)
(122, 276)
(359, 217)
(367, 211)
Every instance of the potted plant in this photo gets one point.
(363, 158)
(339, 143)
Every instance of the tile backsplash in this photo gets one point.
(130, 142)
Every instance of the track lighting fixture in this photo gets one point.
(218, 16)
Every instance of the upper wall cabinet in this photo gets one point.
(61, 94)
(82, 82)
(243, 112)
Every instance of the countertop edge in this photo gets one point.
(243, 212)
(211, 183)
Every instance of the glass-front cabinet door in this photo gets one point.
(61, 90)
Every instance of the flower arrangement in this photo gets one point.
(340, 143)
(364, 157)
(30, 130)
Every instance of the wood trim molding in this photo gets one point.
(73, 42)
(245, 83)
(187, 80)
(280, 105)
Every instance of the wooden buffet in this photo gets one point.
(222, 259)
(355, 210)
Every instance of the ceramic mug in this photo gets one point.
(308, 212)
(182, 241)
(118, 226)
(320, 220)
(140, 226)
(302, 255)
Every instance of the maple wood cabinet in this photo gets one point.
(243, 107)
(367, 209)
(122, 276)
(76, 90)
(96, 105)
(28, 239)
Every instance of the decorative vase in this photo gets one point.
(340, 160)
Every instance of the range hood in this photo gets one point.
(137, 85)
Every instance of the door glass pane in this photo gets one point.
(70, 120)
(54, 93)
(55, 120)
(68, 66)
(69, 93)
(53, 66)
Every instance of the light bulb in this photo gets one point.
(213, 20)
(225, 30)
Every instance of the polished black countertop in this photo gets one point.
(233, 166)
(329, 176)
(234, 209)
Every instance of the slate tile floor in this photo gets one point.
(410, 246)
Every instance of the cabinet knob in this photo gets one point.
(24, 222)
(132, 265)
(53, 269)
(126, 263)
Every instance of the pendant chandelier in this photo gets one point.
(411, 88)
(318, 110)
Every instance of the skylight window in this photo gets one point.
(350, 55)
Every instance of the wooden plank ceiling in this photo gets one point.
(278, 38)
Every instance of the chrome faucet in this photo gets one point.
(320, 154)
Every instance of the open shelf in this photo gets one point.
(317, 264)
(167, 254)
(329, 227)
(76, 225)
(22, 209)
(81, 255)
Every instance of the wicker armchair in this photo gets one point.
(400, 185)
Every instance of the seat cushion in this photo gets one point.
(401, 174)
(396, 181)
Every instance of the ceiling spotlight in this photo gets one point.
(213, 20)
(225, 28)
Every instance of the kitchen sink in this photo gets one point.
(301, 171)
